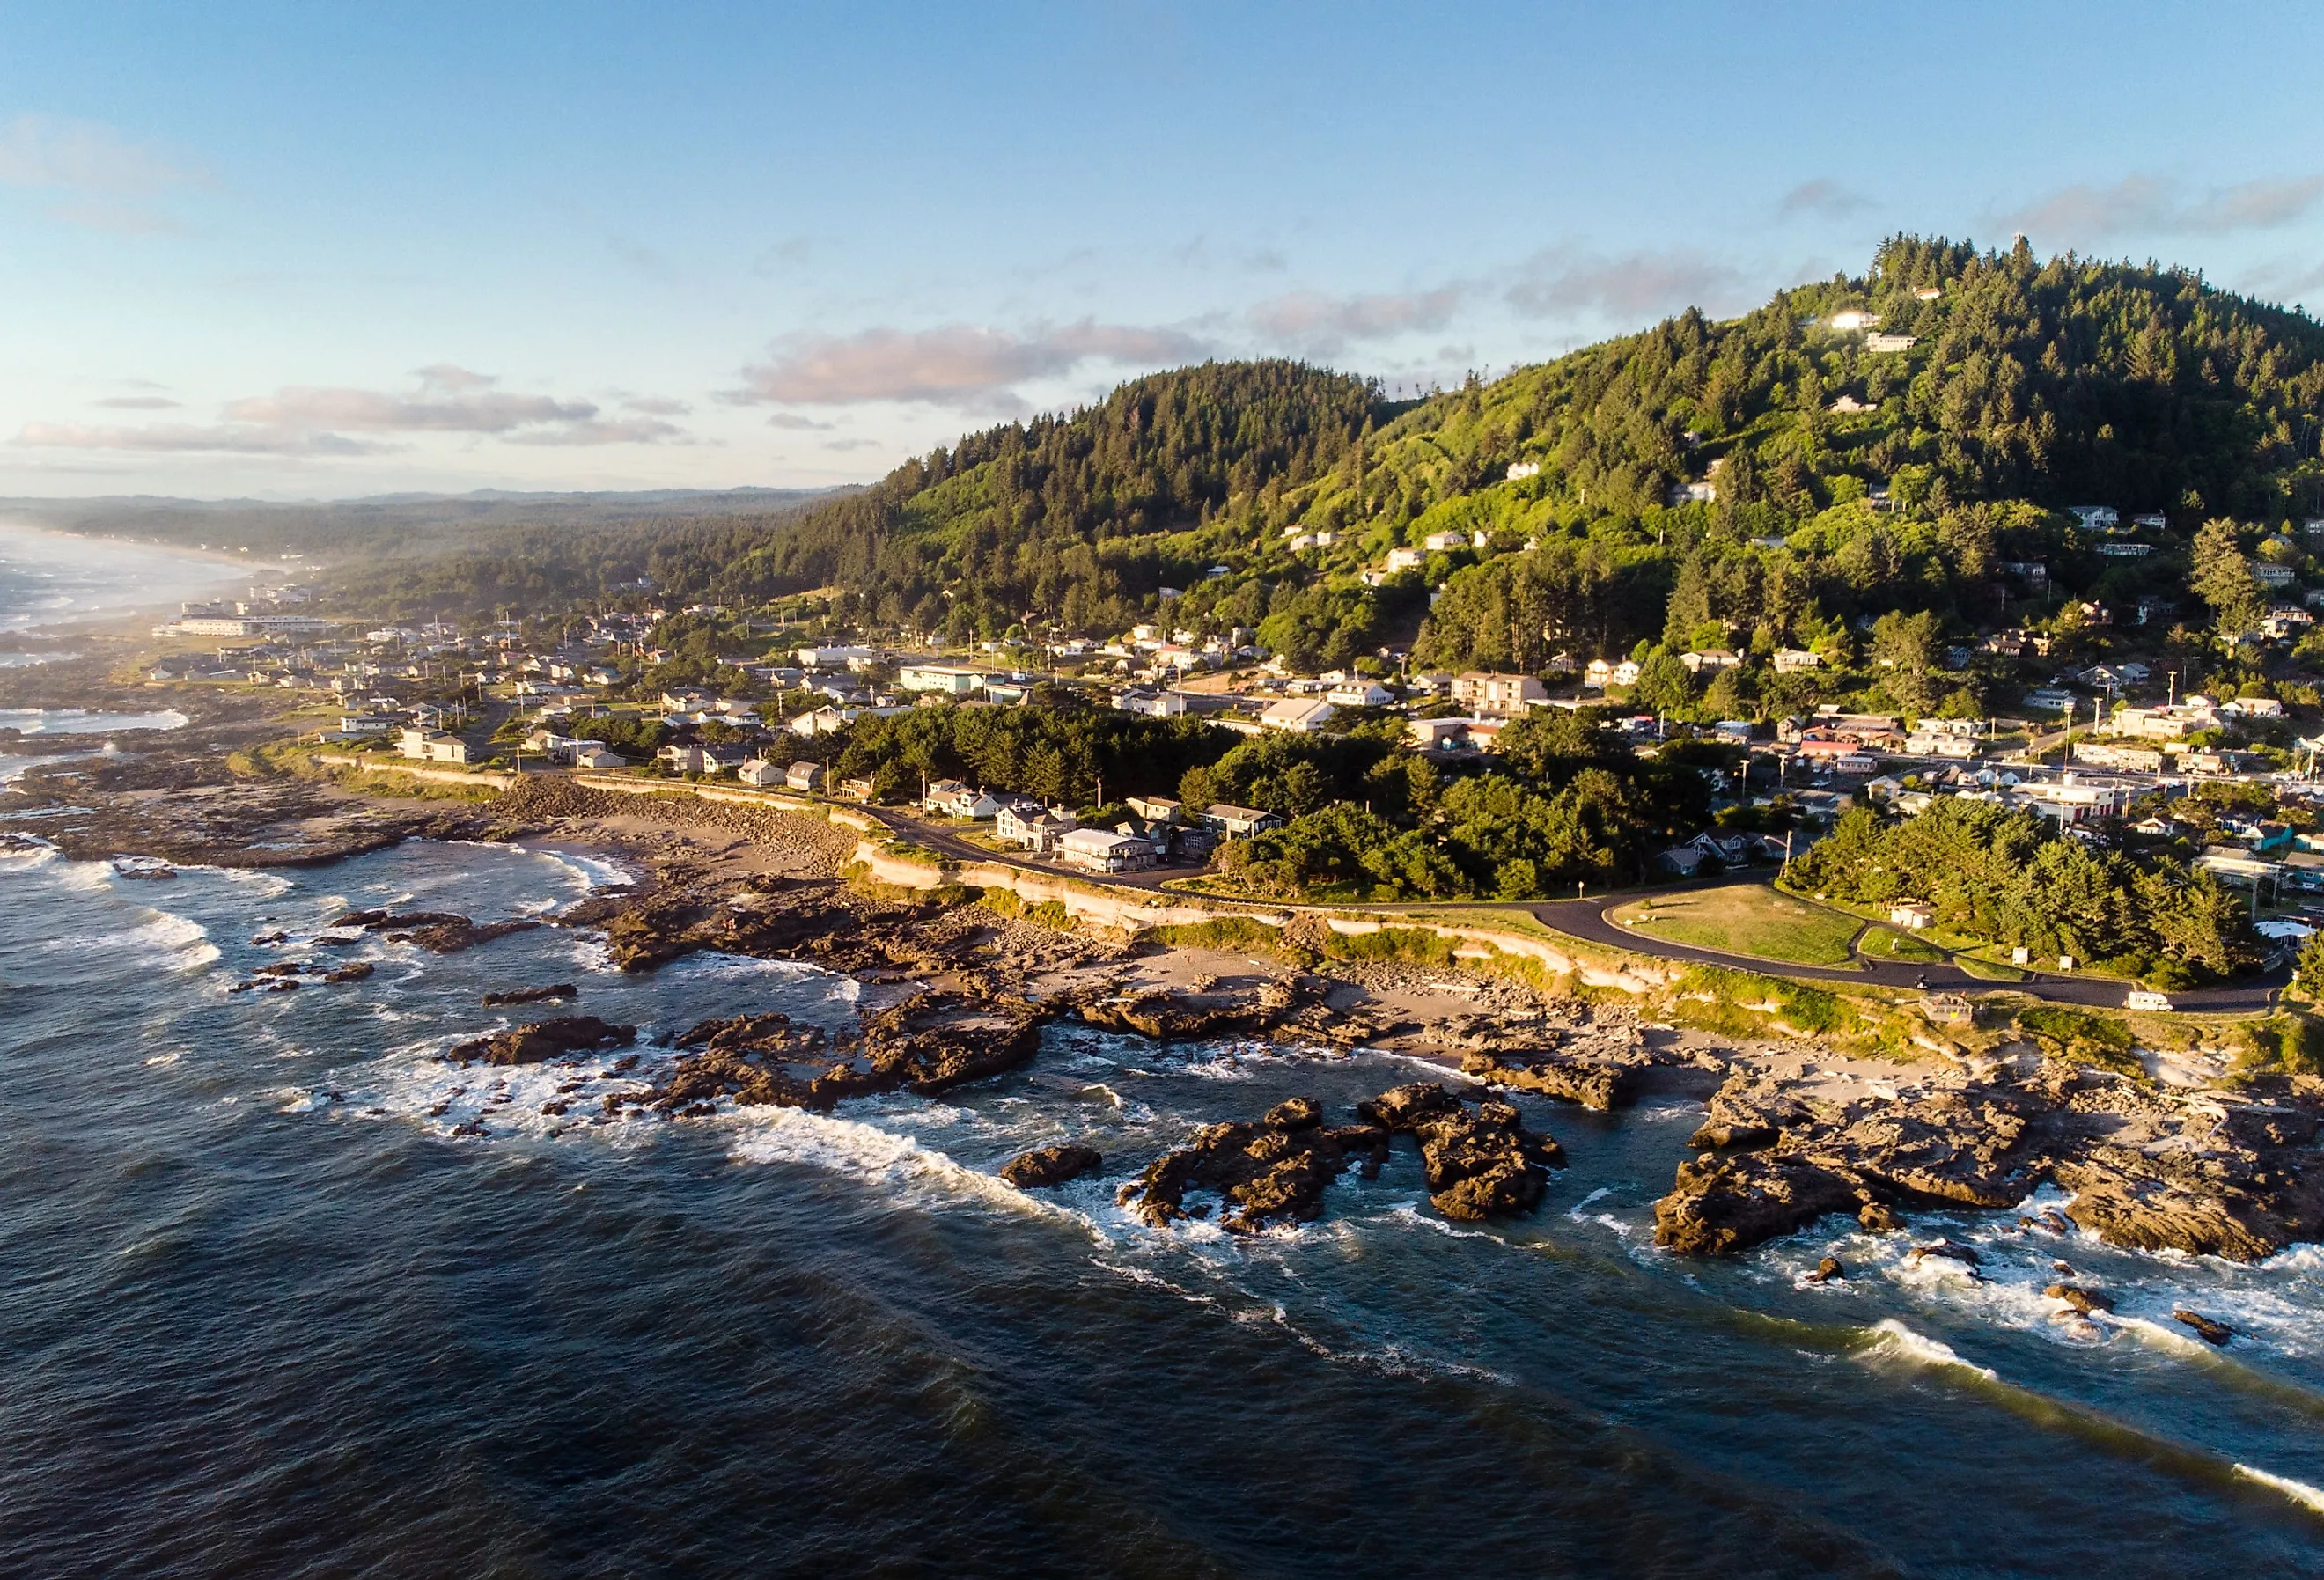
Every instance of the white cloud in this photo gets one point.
(184, 437)
(105, 175)
(2152, 204)
(955, 365)
(138, 403)
(1317, 325)
(309, 420)
(49, 151)
(1821, 196)
(1565, 279)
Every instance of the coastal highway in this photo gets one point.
(1586, 919)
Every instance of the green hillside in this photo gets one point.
(2026, 387)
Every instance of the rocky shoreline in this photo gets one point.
(956, 993)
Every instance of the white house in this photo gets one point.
(1853, 318)
(1100, 850)
(1359, 693)
(1711, 659)
(1405, 559)
(691, 760)
(944, 679)
(1791, 659)
(806, 777)
(1301, 718)
(1445, 543)
(432, 746)
(1521, 469)
(759, 772)
(1597, 675)
(590, 754)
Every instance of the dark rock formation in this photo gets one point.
(1827, 1271)
(1050, 1165)
(2150, 1170)
(439, 932)
(544, 1039)
(1479, 1164)
(1175, 1016)
(1273, 1171)
(2085, 1301)
(353, 971)
(2205, 1329)
(531, 995)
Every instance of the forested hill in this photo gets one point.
(1852, 467)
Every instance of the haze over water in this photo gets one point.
(262, 1312)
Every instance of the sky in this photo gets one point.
(299, 251)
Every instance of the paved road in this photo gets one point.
(1586, 919)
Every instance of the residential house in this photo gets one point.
(421, 745)
(1506, 695)
(1912, 915)
(1881, 344)
(804, 776)
(1791, 659)
(1711, 661)
(1157, 809)
(700, 760)
(760, 772)
(1238, 822)
(1399, 559)
(590, 754)
(1102, 850)
(1445, 543)
(1359, 693)
(1297, 717)
(941, 679)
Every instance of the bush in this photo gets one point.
(2081, 1037)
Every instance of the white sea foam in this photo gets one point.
(1580, 1209)
(865, 1152)
(184, 941)
(597, 872)
(1899, 1342)
(2298, 1492)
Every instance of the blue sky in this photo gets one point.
(300, 250)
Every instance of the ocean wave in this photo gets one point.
(2298, 1492)
(185, 941)
(1895, 1341)
(597, 872)
(866, 1152)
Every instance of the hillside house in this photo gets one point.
(1506, 695)
(1238, 822)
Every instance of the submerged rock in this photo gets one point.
(531, 995)
(1827, 1271)
(544, 1039)
(1046, 1166)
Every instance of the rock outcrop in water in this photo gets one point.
(1045, 1167)
(2231, 1175)
(439, 932)
(1479, 1164)
(544, 1039)
(1273, 1171)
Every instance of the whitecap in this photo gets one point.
(2298, 1492)
(1900, 1343)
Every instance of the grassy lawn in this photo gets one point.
(1883, 943)
(1747, 919)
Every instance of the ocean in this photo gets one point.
(55, 580)
(282, 1293)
